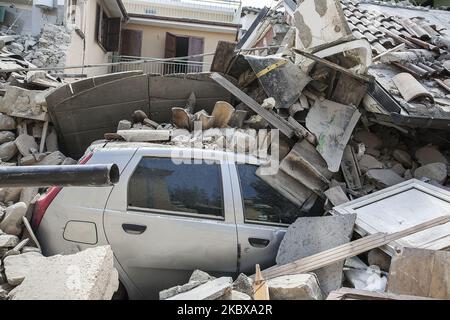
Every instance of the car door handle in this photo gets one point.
(134, 228)
(258, 242)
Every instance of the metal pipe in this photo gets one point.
(96, 175)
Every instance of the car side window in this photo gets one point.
(159, 183)
(262, 203)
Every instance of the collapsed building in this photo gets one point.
(361, 109)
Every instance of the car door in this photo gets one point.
(262, 217)
(166, 219)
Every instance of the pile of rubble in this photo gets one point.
(49, 49)
(377, 173)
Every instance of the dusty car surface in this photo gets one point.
(167, 217)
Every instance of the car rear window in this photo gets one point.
(159, 183)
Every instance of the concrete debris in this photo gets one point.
(210, 290)
(235, 295)
(12, 222)
(243, 284)
(433, 171)
(295, 287)
(197, 278)
(48, 278)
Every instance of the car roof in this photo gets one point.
(165, 147)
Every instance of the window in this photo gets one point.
(159, 183)
(75, 13)
(262, 203)
(107, 30)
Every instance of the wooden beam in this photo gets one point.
(272, 118)
(351, 249)
(332, 65)
(260, 288)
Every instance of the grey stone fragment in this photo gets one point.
(403, 157)
(7, 136)
(200, 276)
(294, 287)
(433, 171)
(8, 150)
(399, 169)
(69, 161)
(368, 162)
(51, 142)
(26, 144)
(311, 235)
(210, 290)
(236, 296)
(12, 223)
(8, 241)
(17, 267)
(429, 154)
(10, 194)
(86, 275)
(383, 178)
(171, 292)
(124, 125)
(7, 122)
(53, 159)
(243, 284)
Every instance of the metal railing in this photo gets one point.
(159, 65)
(226, 11)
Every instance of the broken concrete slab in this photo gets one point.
(430, 154)
(403, 157)
(317, 234)
(370, 140)
(8, 241)
(294, 287)
(17, 267)
(7, 122)
(243, 284)
(171, 292)
(53, 159)
(383, 178)
(12, 223)
(332, 123)
(235, 295)
(8, 150)
(145, 135)
(86, 275)
(368, 162)
(200, 276)
(26, 144)
(336, 196)
(23, 103)
(433, 171)
(7, 136)
(208, 291)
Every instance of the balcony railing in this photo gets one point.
(158, 66)
(225, 11)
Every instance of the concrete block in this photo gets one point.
(384, 178)
(53, 159)
(171, 292)
(10, 194)
(26, 144)
(236, 296)
(208, 291)
(433, 171)
(7, 151)
(12, 223)
(86, 275)
(294, 287)
(243, 284)
(7, 122)
(200, 276)
(7, 136)
(17, 267)
(311, 235)
(145, 135)
(8, 241)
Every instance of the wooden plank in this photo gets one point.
(355, 294)
(44, 137)
(421, 272)
(333, 65)
(349, 250)
(270, 117)
(260, 288)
